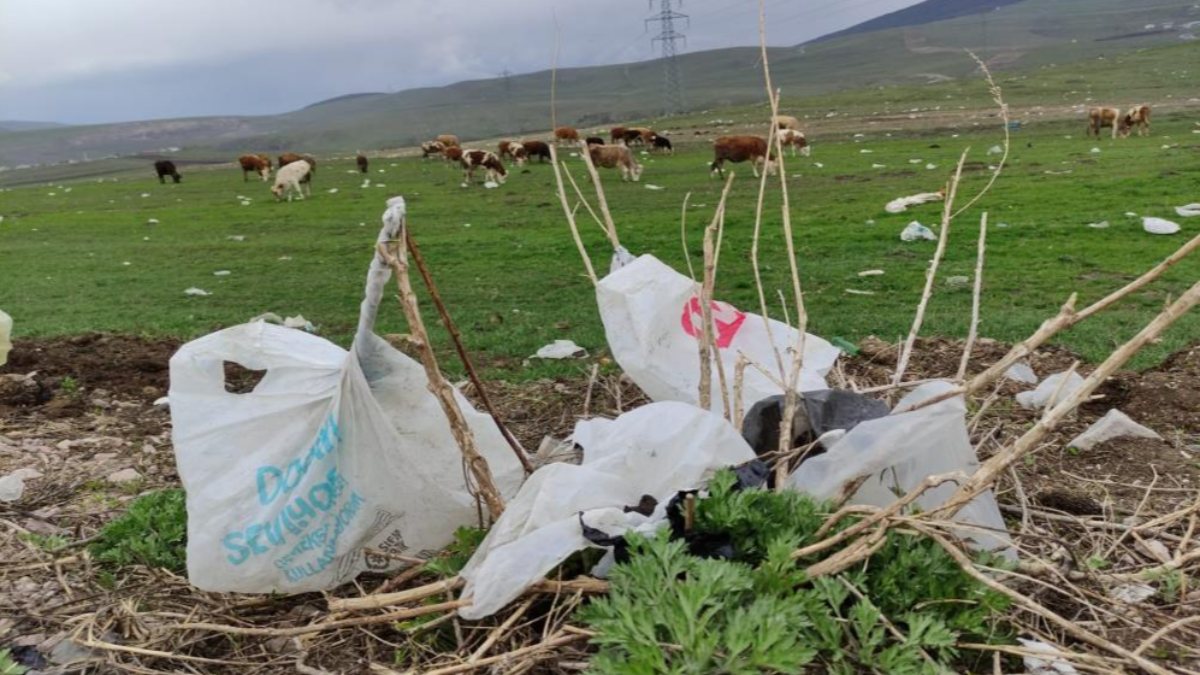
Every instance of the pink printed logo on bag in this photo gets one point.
(726, 318)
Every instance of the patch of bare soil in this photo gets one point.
(80, 412)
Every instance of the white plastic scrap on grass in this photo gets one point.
(331, 453)
(1052, 390)
(196, 291)
(652, 323)
(1052, 663)
(6, 324)
(1021, 372)
(898, 452)
(915, 231)
(656, 450)
(1159, 226)
(1114, 424)
(561, 349)
(1188, 211)
(901, 204)
(1099, 226)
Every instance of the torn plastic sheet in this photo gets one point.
(1114, 424)
(901, 204)
(898, 452)
(817, 413)
(656, 451)
(652, 322)
(1050, 391)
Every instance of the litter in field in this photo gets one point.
(855, 291)
(1130, 214)
(1021, 372)
(145, 194)
(561, 349)
(236, 237)
(221, 273)
(1099, 226)
(284, 257)
(332, 191)
(995, 150)
(1114, 424)
(1183, 211)
(901, 204)
(650, 186)
(866, 151)
(1132, 594)
(196, 291)
(930, 166)
(491, 185)
(1095, 151)
(879, 166)
(915, 161)
(152, 221)
(126, 263)
(1159, 226)
(915, 231)
(958, 281)
(1052, 390)
(12, 485)
(819, 165)
(1052, 663)
(6, 324)
(870, 273)
(380, 185)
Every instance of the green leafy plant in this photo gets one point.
(47, 542)
(669, 611)
(153, 532)
(69, 386)
(8, 666)
(455, 556)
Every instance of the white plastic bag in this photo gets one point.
(652, 322)
(1114, 424)
(1052, 390)
(1159, 226)
(898, 452)
(1187, 211)
(657, 450)
(915, 231)
(901, 204)
(332, 451)
(5, 332)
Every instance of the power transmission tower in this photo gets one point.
(667, 37)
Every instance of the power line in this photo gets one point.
(667, 37)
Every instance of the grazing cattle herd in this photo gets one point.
(295, 171)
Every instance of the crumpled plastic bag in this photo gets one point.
(6, 324)
(1159, 226)
(901, 204)
(561, 349)
(900, 451)
(652, 322)
(1188, 211)
(1114, 424)
(1021, 372)
(656, 450)
(1040, 397)
(1051, 664)
(916, 231)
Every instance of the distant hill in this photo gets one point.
(23, 125)
(921, 14)
(1023, 35)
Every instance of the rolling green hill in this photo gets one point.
(1022, 37)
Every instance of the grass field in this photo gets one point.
(81, 256)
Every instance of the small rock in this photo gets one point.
(123, 476)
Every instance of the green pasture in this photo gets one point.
(82, 256)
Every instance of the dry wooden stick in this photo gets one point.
(394, 255)
(931, 273)
(1066, 318)
(687, 256)
(973, 333)
(500, 630)
(390, 617)
(586, 585)
(456, 338)
(1070, 627)
(998, 98)
(610, 226)
(583, 200)
(708, 346)
(523, 651)
(562, 197)
(994, 466)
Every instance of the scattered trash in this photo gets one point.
(817, 413)
(561, 349)
(901, 204)
(1021, 372)
(300, 322)
(644, 456)
(958, 281)
(1041, 397)
(866, 151)
(819, 165)
(1131, 594)
(332, 191)
(162, 402)
(466, 224)
(221, 273)
(491, 185)
(1095, 151)
(12, 486)
(1051, 664)
(126, 263)
(284, 257)
(1159, 226)
(916, 231)
(1114, 424)
(995, 150)
(332, 452)
(382, 185)
(652, 322)
(897, 453)
(1130, 214)
(269, 317)
(196, 291)
(1154, 549)
(236, 237)
(1099, 226)
(6, 324)
(1183, 211)
(870, 273)
(855, 291)
(145, 194)
(879, 166)
(650, 186)
(930, 167)
(152, 221)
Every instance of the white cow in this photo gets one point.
(292, 177)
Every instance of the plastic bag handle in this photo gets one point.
(378, 274)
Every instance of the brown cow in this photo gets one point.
(566, 135)
(1099, 118)
(616, 157)
(257, 164)
(539, 149)
(518, 154)
(616, 134)
(432, 148)
(740, 149)
(289, 157)
(165, 167)
(1138, 116)
(787, 122)
(794, 139)
(638, 135)
(505, 148)
(452, 154)
(594, 140)
(361, 160)
(448, 140)
(473, 159)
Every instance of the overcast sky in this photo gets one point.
(80, 61)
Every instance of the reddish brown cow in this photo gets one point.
(616, 157)
(518, 154)
(566, 135)
(448, 140)
(289, 157)
(616, 134)
(740, 149)
(361, 160)
(594, 140)
(1138, 116)
(473, 159)
(787, 122)
(505, 147)
(1099, 118)
(255, 163)
(452, 154)
(794, 139)
(539, 149)
(432, 148)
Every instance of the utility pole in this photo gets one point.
(667, 37)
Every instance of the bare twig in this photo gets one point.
(975, 297)
(562, 197)
(998, 98)
(687, 256)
